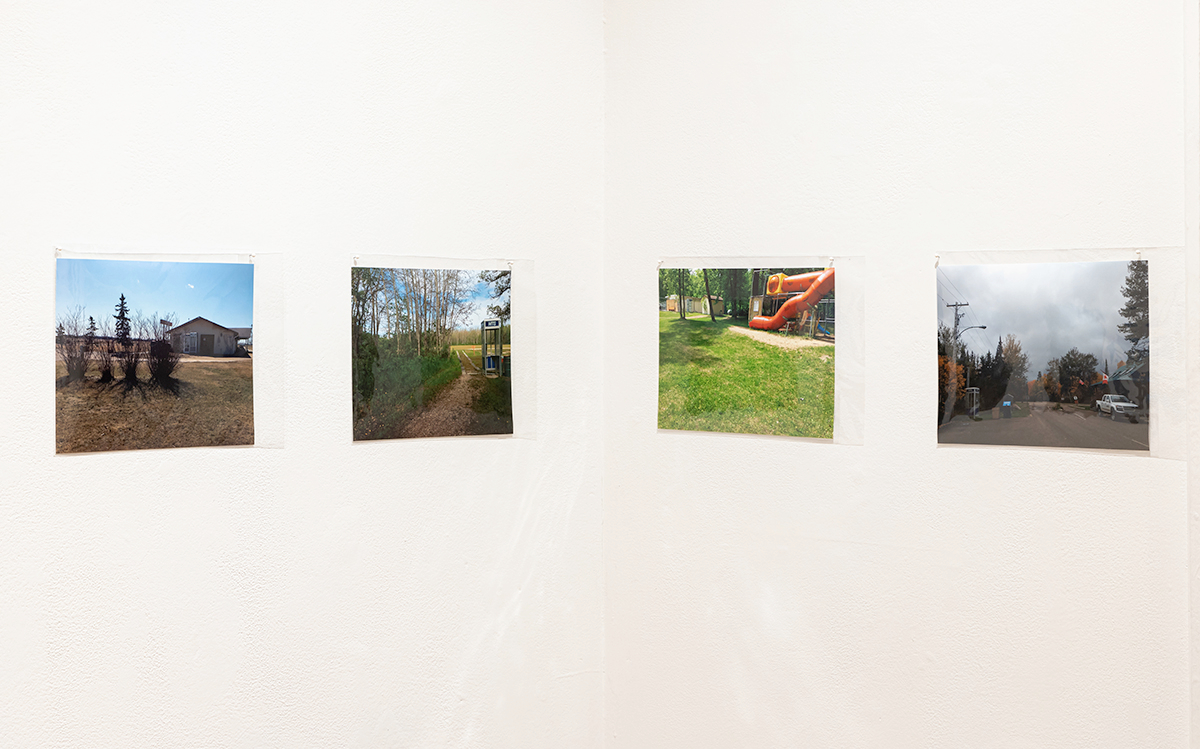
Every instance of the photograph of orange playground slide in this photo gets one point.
(813, 287)
(747, 350)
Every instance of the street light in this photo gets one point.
(952, 391)
(973, 327)
(957, 340)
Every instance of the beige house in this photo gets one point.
(695, 305)
(204, 338)
(698, 305)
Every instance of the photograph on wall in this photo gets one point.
(746, 350)
(1044, 355)
(153, 354)
(432, 353)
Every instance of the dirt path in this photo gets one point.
(788, 342)
(450, 415)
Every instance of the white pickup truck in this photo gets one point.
(1117, 405)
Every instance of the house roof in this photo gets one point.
(1129, 372)
(243, 332)
(205, 319)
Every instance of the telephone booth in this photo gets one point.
(972, 402)
(493, 348)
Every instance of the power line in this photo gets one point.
(970, 312)
(985, 346)
(959, 292)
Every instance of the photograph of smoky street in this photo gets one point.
(1044, 355)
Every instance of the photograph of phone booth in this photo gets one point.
(493, 348)
(972, 402)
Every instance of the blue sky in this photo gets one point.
(220, 292)
(481, 298)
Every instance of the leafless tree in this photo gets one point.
(161, 359)
(73, 344)
(105, 351)
(419, 306)
(136, 349)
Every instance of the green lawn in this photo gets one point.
(714, 380)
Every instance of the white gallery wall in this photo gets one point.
(768, 592)
(418, 593)
(594, 581)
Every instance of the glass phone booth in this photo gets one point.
(493, 348)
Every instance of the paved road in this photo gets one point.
(1046, 428)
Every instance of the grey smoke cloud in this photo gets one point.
(1049, 307)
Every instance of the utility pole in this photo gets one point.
(952, 390)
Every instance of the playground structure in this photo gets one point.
(790, 301)
(491, 348)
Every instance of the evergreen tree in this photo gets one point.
(1001, 370)
(123, 328)
(1136, 311)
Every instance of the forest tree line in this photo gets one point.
(731, 285)
(419, 310)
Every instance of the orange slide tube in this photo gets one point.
(779, 283)
(817, 285)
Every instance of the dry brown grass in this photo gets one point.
(210, 403)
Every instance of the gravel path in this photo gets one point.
(788, 342)
(448, 416)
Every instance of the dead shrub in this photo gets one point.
(73, 344)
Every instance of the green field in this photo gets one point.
(475, 353)
(711, 379)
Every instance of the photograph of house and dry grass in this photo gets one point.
(1045, 355)
(153, 354)
(747, 350)
(431, 352)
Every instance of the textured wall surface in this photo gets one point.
(325, 593)
(770, 593)
(614, 585)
